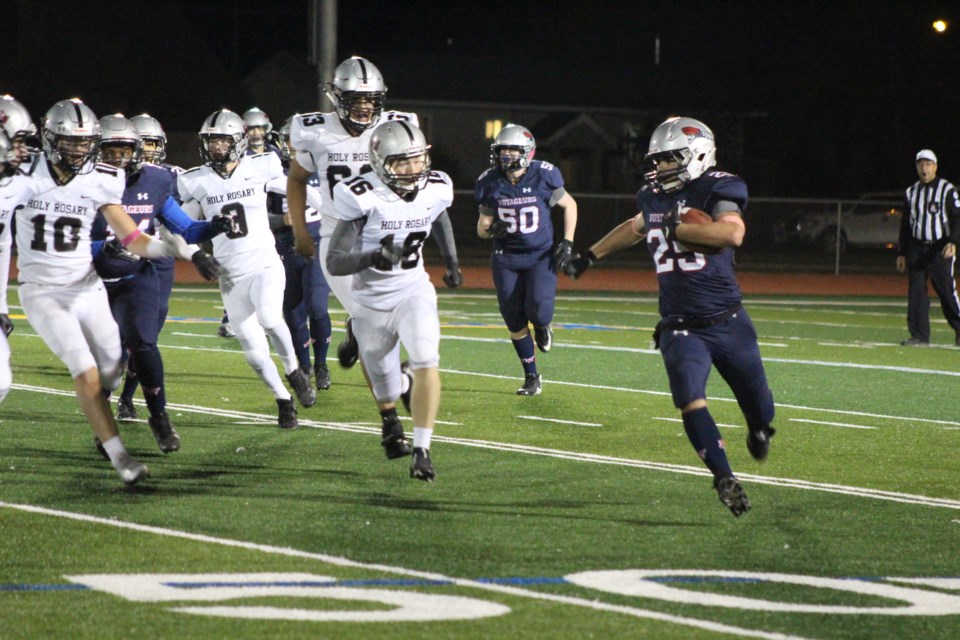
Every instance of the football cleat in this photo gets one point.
(166, 435)
(131, 471)
(407, 370)
(300, 382)
(732, 495)
(287, 416)
(394, 443)
(421, 467)
(226, 331)
(99, 446)
(543, 336)
(758, 442)
(531, 386)
(348, 351)
(126, 410)
(322, 375)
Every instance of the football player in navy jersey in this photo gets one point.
(703, 322)
(515, 196)
(133, 284)
(307, 292)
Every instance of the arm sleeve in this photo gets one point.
(557, 194)
(442, 232)
(341, 259)
(176, 220)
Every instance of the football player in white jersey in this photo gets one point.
(235, 185)
(335, 146)
(383, 218)
(64, 299)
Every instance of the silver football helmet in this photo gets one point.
(151, 133)
(222, 125)
(8, 158)
(21, 132)
(392, 142)
(357, 92)
(255, 117)
(70, 136)
(513, 137)
(687, 142)
(120, 132)
(283, 138)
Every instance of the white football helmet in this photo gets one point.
(8, 158)
(283, 138)
(70, 136)
(357, 81)
(119, 131)
(516, 138)
(150, 130)
(686, 141)
(394, 141)
(222, 124)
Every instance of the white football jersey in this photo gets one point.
(14, 192)
(242, 195)
(53, 227)
(325, 147)
(386, 213)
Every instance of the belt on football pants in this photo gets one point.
(693, 323)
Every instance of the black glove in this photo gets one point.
(581, 263)
(114, 249)
(221, 224)
(6, 324)
(206, 265)
(670, 221)
(562, 255)
(453, 278)
(388, 255)
(498, 228)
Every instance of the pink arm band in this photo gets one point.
(130, 238)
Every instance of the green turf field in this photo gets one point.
(580, 513)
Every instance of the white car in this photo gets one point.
(872, 222)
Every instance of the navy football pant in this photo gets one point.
(306, 296)
(526, 288)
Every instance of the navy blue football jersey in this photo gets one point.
(525, 206)
(692, 285)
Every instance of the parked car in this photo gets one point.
(872, 221)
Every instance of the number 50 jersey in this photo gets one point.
(386, 214)
(249, 247)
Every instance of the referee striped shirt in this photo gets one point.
(931, 212)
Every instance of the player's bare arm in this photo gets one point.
(297, 207)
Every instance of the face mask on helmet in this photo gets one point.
(357, 92)
(222, 141)
(400, 157)
(513, 149)
(283, 140)
(71, 136)
(257, 126)
(153, 138)
(681, 150)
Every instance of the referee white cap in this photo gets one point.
(927, 154)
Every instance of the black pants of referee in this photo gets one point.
(925, 261)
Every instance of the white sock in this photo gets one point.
(404, 384)
(421, 437)
(115, 449)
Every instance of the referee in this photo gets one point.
(929, 236)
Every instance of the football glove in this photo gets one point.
(114, 249)
(222, 224)
(453, 278)
(498, 228)
(6, 324)
(583, 261)
(670, 221)
(388, 255)
(562, 255)
(206, 265)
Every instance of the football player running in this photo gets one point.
(133, 285)
(233, 185)
(18, 151)
(383, 218)
(61, 293)
(703, 322)
(307, 293)
(334, 147)
(515, 196)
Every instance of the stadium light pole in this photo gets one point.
(323, 45)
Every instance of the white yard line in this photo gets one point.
(832, 424)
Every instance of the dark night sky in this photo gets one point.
(849, 90)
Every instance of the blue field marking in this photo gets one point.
(43, 587)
